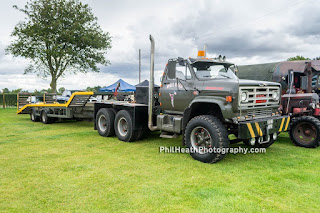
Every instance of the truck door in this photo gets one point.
(177, 89)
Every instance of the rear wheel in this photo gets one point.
(123, 126)
(206, 132)
(44, 118)
(105, 122)
(33, 116)
(305, 131)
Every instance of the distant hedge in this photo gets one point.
(10, 99)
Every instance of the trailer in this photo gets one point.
(204, 101)
(77, 107)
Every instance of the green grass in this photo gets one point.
(69, 167)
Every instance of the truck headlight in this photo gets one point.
(275, 95)
(244, 97)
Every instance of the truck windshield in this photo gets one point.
(213, 71)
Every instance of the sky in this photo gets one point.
(246, 32)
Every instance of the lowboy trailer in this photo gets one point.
(76, 108)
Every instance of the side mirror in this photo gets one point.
(181, 62)
(236, 70)
(171, 69)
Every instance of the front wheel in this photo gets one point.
(305, 131)
(207, 138)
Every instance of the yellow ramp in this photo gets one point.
(71, 99)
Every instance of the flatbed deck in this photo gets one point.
(121, 103)
(77, 99)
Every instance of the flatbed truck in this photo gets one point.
(200, 98)
(204, 101)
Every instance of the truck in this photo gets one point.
(201, 99)
(300, 81)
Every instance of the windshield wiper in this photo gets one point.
(225, 76)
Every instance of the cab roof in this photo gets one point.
(209, 60)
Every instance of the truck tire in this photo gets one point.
(123, 126)
(305, 131)
(33, 116)
(105, 122)
(44, 117)
(209, 132)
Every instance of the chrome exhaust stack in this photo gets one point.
(151, 87)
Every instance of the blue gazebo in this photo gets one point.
(124, 87)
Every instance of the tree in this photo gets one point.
(316, 58)
(16, 91)
(61, 90)
(298, 58)
(93, 89)
(6, 90)
(49, 90)
(59, 36)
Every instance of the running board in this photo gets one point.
(168, 135)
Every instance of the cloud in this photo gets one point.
(245, 31)
(308, 23)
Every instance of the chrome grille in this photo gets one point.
(260, 113)
(259, 96)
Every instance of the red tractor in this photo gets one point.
(300, 82)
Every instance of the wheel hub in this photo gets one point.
(200, 139)
(123, 126)
(305, 132)
(102, 123)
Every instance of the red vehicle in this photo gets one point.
(300, 82)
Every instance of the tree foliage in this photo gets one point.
(61, 90)
(298, 58)
(14, 91)
(93, 89)
(59, 36)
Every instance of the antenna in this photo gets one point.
(139, 66)
(205, 50)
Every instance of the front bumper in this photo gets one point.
(262, 127)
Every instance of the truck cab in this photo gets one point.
(209, 89)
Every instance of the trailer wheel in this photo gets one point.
(44, 117)
(207, 132)
(105, 122)
(305, 131)
(123, 126)
(33, 116)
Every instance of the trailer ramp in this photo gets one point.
(77, 99)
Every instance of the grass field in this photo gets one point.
(69, 167)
